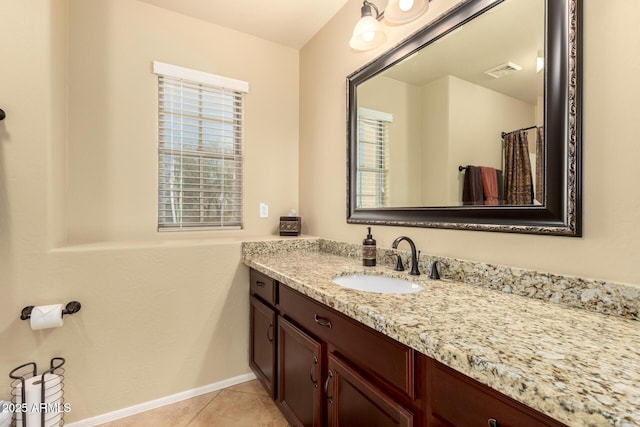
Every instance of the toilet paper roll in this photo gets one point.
(46, 316)
(34, 406)
(5, 414)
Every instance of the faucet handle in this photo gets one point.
(434, 275)
(415, 270)
(399, 266)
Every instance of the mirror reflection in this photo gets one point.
(460, 122)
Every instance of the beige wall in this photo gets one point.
(162, 313)
(401, 101)
(611, 242)
(477, 117)
(445, 123)
(436, 132)
(113, 115)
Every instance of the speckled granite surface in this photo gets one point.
(616, 299)
(580, 367)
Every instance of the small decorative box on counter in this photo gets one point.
(290, 225)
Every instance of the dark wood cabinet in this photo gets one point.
(354, 401)
(300, 370)
(263, 287)
(326, 369)
(377, 355)
(369, 378)
(262, 344)
(457, 400)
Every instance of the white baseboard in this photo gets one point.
(153, 404)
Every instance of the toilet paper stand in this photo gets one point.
(48, 405)
(70, 308)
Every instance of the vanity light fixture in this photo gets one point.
(368, 33)
(400, 12)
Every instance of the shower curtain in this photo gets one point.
(518, 183)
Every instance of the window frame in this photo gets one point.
(204, 136)
(381, 121)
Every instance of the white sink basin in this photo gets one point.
(379, 284)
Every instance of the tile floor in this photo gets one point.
(242, 405)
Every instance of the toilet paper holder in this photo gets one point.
(50, 394)
(70, 308)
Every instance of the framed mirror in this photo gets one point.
(473, 122)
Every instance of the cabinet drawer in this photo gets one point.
(375, 354)
(263, 286)
(457, 400)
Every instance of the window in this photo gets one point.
(199, 149)
(373, 143)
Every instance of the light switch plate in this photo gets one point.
(264, 210)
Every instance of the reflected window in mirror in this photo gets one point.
(373, 158)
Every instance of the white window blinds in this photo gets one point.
(200, 149)
(373, 148)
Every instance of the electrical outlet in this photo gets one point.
(264, 210)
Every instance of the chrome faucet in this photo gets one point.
(414, 255)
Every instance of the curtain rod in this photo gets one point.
(518, 130)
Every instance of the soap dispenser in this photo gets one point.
(369, 250)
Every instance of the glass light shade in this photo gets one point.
(405, 5)
(367, 34)
(403, 11)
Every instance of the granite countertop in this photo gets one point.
(579, 367)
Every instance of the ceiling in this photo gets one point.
(511, 32)
(289, 22)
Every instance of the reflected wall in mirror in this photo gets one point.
(451, 103)
(473, 123)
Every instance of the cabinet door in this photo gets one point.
(352, 401)
(262, 345)
(299, 376)
(376, 355)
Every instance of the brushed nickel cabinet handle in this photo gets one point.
(269, 329)
(326, 387)
(493, 422)
(260, 284)
(315, 362)
(322, 321)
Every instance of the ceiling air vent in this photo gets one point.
(503, 70)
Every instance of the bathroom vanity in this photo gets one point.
(453, 354)
(310, 357)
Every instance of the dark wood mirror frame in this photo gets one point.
(561, 212)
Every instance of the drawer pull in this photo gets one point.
(493, 423)
(322, 321)
(326, 387)
(260, 284)
(315, 362)
(270, 332)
